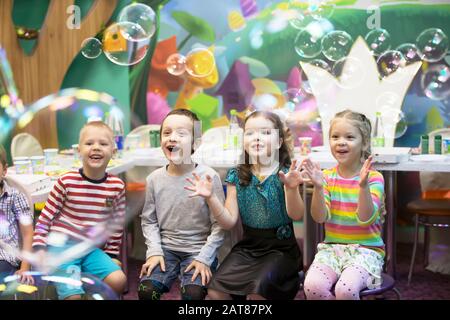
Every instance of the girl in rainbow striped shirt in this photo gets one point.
(349, 199)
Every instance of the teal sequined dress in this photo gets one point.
(267, 260)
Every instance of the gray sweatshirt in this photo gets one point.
(173, 221)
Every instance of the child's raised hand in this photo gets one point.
(151, 263)
(202, 269)
(313, 171)
(364, 173)
(293, 178)
(200, 187)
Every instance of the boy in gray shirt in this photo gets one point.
(181, 235)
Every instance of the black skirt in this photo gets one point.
(261, 263)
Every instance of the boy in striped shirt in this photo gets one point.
(82, 203)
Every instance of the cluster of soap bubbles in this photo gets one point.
(316, 33)
(431, 46)
(125, 42)
(199, 63)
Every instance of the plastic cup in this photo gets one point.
(133, 141)
(446, 145)
(75, 151)
(38, 164)
(305, 145)
(50, 156)
(22, 165)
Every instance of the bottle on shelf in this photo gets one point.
(424, 144)
(378, 132)
(234, 132)
(438, 144)
(115, 122)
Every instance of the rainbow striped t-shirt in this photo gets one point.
(341, 198)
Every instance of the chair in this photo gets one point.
(431, 210)
(25, 145)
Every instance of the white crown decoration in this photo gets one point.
(359, 88)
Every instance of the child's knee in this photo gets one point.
(117, 281)
(150, 290)
(316, 288)
(193, 292)
(345, 291)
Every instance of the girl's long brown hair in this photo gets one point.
(285, 151)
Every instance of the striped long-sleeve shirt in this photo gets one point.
(77, 205)
(341, 199)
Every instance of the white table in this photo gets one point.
(41, 196)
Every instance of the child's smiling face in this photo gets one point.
(261, 139)
(345, 142)
(96, 147)
(177, 139)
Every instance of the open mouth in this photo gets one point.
(258, 147)
(95, 157)
(342, 152)
(173, 148)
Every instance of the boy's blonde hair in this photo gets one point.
(3, 156)
(99, 125)
(361, 122)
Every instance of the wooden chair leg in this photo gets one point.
(416, 240)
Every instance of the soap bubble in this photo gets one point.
(394, 122)
(142, 15)
(391, 61)
(307, 45)
(432, 44)
(120, 45)
(435, 82)
(410, 52)
(91, 48)
(350, 71)
(176, 64)
(378, 40)
(336, 45)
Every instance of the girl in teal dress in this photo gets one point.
(264, 192)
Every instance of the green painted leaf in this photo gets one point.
(196, 26)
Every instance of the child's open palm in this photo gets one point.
(313, 171)
(200, 187)
(364, 173)
(293, 178)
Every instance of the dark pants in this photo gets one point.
(6, 269)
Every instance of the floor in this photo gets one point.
(425, 285)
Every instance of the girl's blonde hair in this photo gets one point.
(364, 126)
(361, 122)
